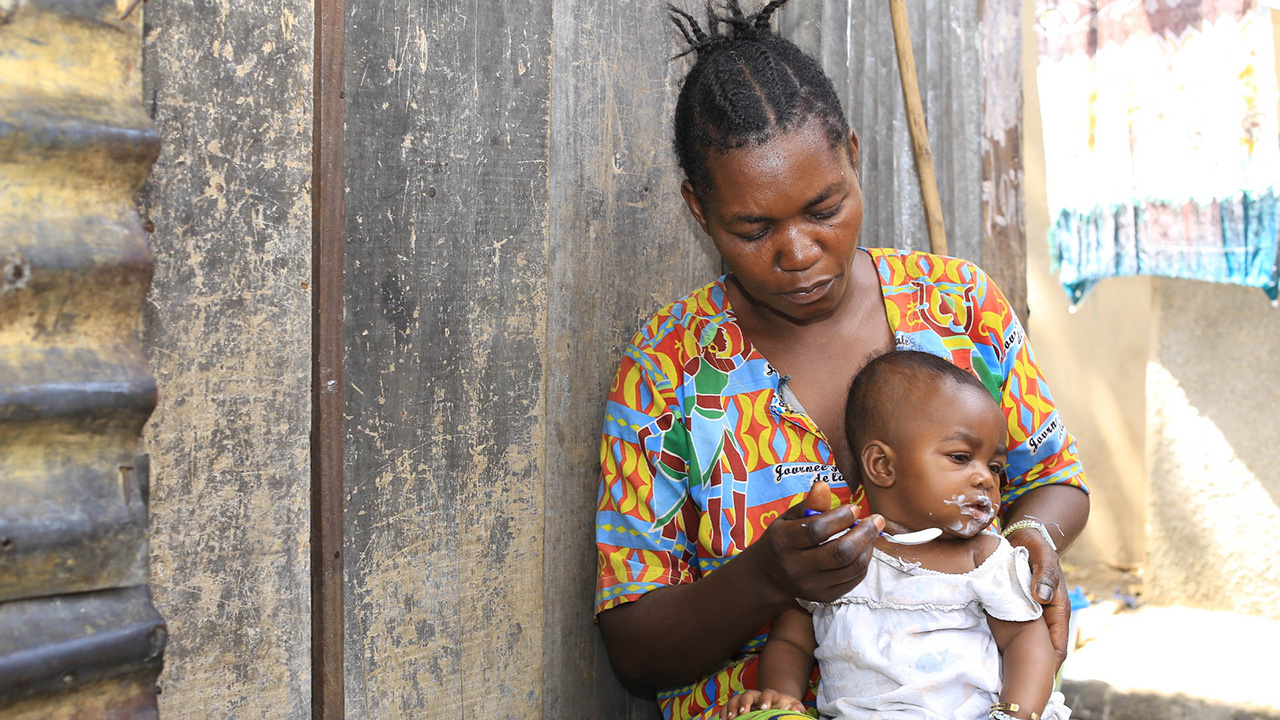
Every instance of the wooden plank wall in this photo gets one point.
(1004, 233)
(944, 37)
(446, 277)
(228, 327)
(622, 246)
(513, 215)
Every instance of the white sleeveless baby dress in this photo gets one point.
(913, 644)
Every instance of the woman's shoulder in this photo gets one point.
(706, 306)
(905, 267)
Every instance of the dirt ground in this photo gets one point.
(1134, 660)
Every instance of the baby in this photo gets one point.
(923, 635)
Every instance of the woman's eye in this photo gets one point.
(829, 214)
(756, 236)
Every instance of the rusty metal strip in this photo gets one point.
(327, 453)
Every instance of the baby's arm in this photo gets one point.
(1028, 664)
(786, 662)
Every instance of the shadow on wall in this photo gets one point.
(1116, 704)
(1214, 484)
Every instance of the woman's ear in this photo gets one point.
(853, 152)
(695, 205)
(877, 464)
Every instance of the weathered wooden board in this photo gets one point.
(1004, 232)
(446, 281)
(228, 334)
(622, 246)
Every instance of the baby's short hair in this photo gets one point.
(885, 387)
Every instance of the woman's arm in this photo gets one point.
(1063, 510)
(681, 633)
(1028, 664)
(1046, 480)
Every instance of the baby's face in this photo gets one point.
(950, 457)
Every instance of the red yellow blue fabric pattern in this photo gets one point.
(700, 452)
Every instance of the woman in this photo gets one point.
(728, 406)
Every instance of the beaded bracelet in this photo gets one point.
(1001, 710)
(1024, 524)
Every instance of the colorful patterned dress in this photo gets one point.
(700, 452)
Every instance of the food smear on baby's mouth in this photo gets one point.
(978, 507)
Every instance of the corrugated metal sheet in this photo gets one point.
(78, 634)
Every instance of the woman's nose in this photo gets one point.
(798, 251)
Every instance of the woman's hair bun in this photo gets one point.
(746, 84)
(724, 25)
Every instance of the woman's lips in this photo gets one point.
(809, 293)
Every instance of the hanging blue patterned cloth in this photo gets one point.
(1162, 140)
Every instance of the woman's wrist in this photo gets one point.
(768, 586)
(1029, 524)
(1043, 555)
(1063, 510)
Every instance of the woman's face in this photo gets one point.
(785, 216)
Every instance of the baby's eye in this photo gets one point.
(959, 457)
(996, 468)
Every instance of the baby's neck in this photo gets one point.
(893, 527)
(947, 554)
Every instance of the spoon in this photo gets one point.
(918, 537)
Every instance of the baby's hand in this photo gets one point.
(757, 700)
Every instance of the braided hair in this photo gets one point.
(747, 84)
